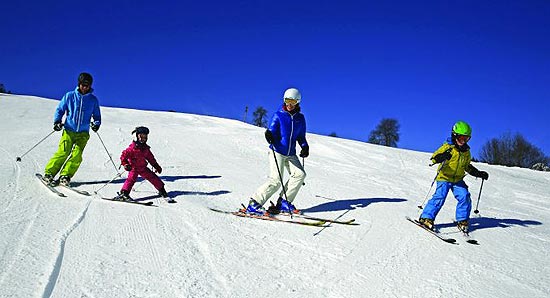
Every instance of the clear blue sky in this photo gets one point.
(425, 63)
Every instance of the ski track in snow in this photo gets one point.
(52, 279)
(207, 262)
(13, 185)
(22, 220)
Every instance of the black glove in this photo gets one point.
(158, 169)
(304, 152)
(483, 175)
(477, 173)
(94, 126)
(441, 157)
(269, 136)
(128, 167)
(57, 126)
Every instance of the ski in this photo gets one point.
(436, 234)
(130, 202)
(467, 236)
(50, 187)
(78, 191)
(350, 222)
(316, 223)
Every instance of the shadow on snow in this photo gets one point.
(350, 204)
(479, 223)
(163, 178)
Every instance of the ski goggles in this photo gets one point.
(291, 101)
(463, 138)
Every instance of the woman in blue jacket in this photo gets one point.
(287, 127)
(79, 107)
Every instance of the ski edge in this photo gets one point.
(78, 191)
(444, 239)
(350, 222)
(317, 223)
(49, 187)
(131, 202)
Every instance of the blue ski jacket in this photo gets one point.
(80, 108)
(287, 129)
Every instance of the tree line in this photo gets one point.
(3, 89)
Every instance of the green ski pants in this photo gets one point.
(71, 146)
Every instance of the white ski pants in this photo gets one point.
(292, 185)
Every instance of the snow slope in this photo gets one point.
(86, 247)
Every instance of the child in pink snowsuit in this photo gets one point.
(135, 158)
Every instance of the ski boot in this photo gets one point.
(65, 180)
(255, 208)
(463, 225)
(163, 193)
(283, 206)
(48, 178)
(123, 195)
(427, 222)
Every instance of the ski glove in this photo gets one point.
(269, 136)
(94, 126)
(128, 168)
(441, 157)
(477, 173)
(483, 175)
(304, 152)
(158, 169)
(57, 126)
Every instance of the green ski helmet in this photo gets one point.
(462, 128)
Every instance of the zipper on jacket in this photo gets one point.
(79, 119)
(291, 133)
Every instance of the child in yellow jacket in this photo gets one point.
(454, 157)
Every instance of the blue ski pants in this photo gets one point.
(461, 193)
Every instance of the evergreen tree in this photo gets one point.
(386, 133)
(259, 117)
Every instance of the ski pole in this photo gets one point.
(117, 175)
(433, 181)
(110, 157)
(280, 178)
(19, 157)
(479, 196)
(304, 166)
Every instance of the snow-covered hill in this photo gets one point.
(86, 247)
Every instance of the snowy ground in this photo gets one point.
(86, 247)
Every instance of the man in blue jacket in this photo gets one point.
(79, 106)
(287, 127)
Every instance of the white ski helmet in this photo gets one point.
(292, 93)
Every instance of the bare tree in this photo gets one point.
(259, 117)
(512, 150)
(386, 133)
